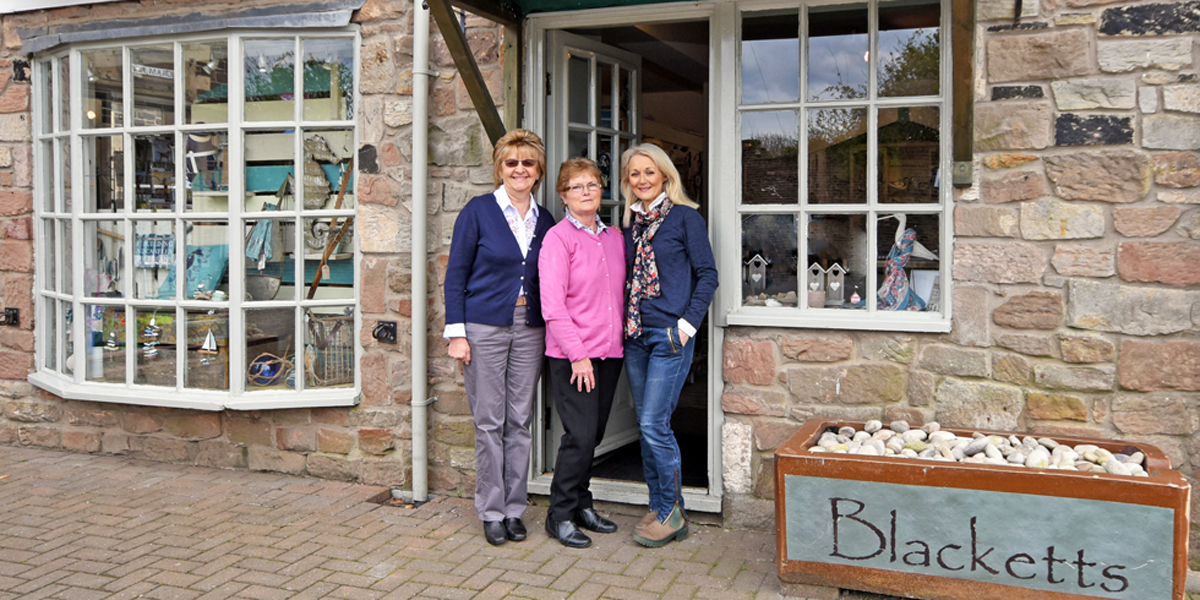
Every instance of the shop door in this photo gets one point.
(592, 112)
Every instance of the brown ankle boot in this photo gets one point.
(660, 533)
(650, 516)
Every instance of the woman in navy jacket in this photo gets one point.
(495, 327)
(671, 278)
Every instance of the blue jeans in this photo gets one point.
(657, 368)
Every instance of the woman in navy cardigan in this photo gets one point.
(671, 278)
(495, 327)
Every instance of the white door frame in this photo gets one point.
(722, 151)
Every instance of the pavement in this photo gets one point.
(82, 526)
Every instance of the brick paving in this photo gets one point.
(77, 526)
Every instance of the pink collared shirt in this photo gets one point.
(582, 277)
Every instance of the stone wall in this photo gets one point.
(369, 443)
(1076, 260)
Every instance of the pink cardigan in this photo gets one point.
(583, 292)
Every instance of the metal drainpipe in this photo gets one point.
(420, 317)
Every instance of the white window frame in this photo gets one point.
(729, 297)
(238, 397)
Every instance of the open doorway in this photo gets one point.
(615, 86)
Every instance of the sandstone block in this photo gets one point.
(1086, 348)
(900, 349)
(166, 450)
(1148, 100)
(1013, 126)
(1176, 169)
(15, 202)
(972, 317)
(1092, 130)
(32, 411)
(1168, 54)
(985, 221)
(334, 441)
(384, 472)
(769, 434)
(998, 263)
(1172, 263)
(1106, 175)
(84, 417)
(736, 446)
(249, 432)
(1007, 160)
(745, 401)
(954, 360)
(1085, 94)
(748, 361)
(1128, 309)
(1189, 225)
(296, 439)
(816, 349)
(1035, 310)
(134, 422)
(1170, 365)
(1182, 97)
(1049, 219)
(978, 405)
(1011, 368)
(381, 229)
(814, 385)
(42, 437)
(1018, 185)
(375, 441)
(220, 455)
(1171, 132)
(1055, 406)
(1144, 221)
(1179, 197)
(1083, 261)
(81, 441)
(193, 425)
(336, 468)
(455, 431)
(1142, 414)
(1057, 377)
(398, 113)
(1026, 343)
(1048, 54)
(15, 127)
(922, 387)
(873, 384)
(994, 10)
(261, 458)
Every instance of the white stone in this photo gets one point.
(1171, 132)
(1123, 56)
(15, 127)
(1148, 100)
(1128, 309)
(380, 229)
(1179, 197)
(1049, 219)
(736, 444)
(1183, 98)
(398, 113)
(1088, 93)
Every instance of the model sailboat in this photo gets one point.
(210, 344)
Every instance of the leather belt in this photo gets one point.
(521, 301)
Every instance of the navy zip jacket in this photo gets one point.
(687, 271)
(485, 271)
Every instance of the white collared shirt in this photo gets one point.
(600, 226)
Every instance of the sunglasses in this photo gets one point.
(528, 163)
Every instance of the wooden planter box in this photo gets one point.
(942, 530)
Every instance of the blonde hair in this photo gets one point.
(671, 183)
(512, 144)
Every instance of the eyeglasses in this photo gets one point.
(528, 163)
(578, 189)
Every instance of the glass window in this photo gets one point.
(220, 281)
(848, 99)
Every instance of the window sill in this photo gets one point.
(857, 320)
(192, 399)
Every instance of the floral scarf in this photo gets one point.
(644, 280)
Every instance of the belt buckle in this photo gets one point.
(521, 301)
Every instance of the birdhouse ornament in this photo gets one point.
(835, 289)
(756, 274)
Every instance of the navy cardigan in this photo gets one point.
(485, 271)
(687, 271)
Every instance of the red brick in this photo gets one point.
(16, 256)
(375, 441)
(16, 202)
(1172, 263)
(15, 365)
(331, 440)
(15, 99)
(19, 229)
(298, 439)
(1159, 365)
(1035, 310)
(747, 361)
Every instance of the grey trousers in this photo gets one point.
(501, 380)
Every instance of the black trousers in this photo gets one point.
(584, 416)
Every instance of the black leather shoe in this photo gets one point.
(515, 529)
(567, 533)
(591, 520)
(494, 532)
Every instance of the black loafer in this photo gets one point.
(567, 533)
(591, 520)
(515, 529)
(494, 532)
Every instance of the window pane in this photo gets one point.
(207, 260)
(577, 145)
(770, 57)
(270, 348)
(154, 171)
(270, 80)
(154, 259)
(48, 249)
(769, 260)
(105, 343)
(839, 254)
(270, 159)
(68, 365)
(328, 79)
(626, 100)
(578, 88)
(49, 320)
(156, 352)
(206, 83)
(270, 259)
(104, 259)
(49, 175)
(68, 252)
(329, 347)
(770, 158)
(604, 89)
(907, 262)
(102, 89)
(64, 94)
(909, 155)
(325, 156)
(909, 50)
(328, 258)
(837, 53)
(207, 348)
(64, 154)
(837, 156)
(105, 157)
(153, 85)
(44, 93)
(204, 164)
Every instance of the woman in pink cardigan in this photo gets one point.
(582, 273)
